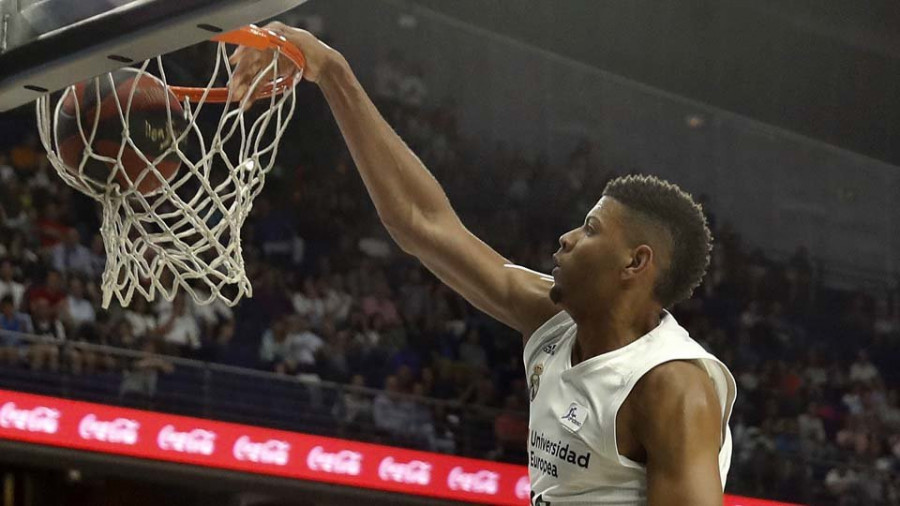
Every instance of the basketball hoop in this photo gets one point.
(186, 232)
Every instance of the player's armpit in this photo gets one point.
(679, 425)
(517, 297)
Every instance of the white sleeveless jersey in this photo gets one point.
(573, 457)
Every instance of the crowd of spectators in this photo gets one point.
(817, 417)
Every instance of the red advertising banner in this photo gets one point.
(143, 434)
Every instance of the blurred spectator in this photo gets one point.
(388, 411)
(122, 335)
(12, 323)
(863, 370)
(355, 407)
(51, 229)
(76, 309)
(471, 351)
(810, 426)
(72, 257)
(841, 480)
(52, 291)
(304, 343)
(379, 302)
(142, 375)
(179, 329)
(7, 173)
(421, 429)
(139, 316)
(46, 353)
(211, 315)
(309, 303)
(8, 284)
(277, 351)
(337, 301)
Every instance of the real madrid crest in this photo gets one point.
(535, 381)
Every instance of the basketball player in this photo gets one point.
(625, 407)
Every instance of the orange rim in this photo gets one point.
(256, 38)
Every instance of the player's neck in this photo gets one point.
(604, 331)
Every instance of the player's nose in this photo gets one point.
(565, 243)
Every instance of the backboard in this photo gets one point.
(46, 45)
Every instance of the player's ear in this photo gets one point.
(641, 258)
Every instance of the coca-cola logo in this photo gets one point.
(272, 451)
(412, 472)
(38, 419)
(523, 488)
(197, 441)
(120, 430)
(479, 482)
(342, 462)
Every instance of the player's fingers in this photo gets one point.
(236, 55)
(247, 68)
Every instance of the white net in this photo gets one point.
(172, 212)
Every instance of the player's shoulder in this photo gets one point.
(674, 385)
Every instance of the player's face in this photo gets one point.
(591, 257)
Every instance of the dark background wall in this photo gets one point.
(829, 69)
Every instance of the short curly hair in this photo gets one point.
(668, 206)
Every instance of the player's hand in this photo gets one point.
(250, 62)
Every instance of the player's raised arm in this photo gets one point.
(410, 202)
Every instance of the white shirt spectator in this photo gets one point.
(313, 308)
(304, 347)
(79, 311)
(863, 371)
(184, 332)
(338, 304)
(214, 312)
(390, 414)
(273, 350)
(816, 376)
(13, 288)
(50, 328)
(810, 427)
(839, 481)
(141, 324)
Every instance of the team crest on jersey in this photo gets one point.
(574, 417)
(549, 349)
(535, 380)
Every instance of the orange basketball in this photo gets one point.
(149, 130)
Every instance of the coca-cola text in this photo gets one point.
(119, 430)
(38, 419)
(342, 462)
(413, 472)
(479, 482)
(197, 441)
(272, 451)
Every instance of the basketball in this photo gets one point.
(149, 127)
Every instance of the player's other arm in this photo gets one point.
(679, 424)
(413, 206)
